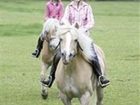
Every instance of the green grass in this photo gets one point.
(117, 31)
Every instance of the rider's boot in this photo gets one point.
(103, 81)
(38, 49)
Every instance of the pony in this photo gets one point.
(48, 51)
(74, 75)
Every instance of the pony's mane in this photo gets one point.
(85, 43)
(50, 24)
(67, 28)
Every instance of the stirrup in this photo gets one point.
(103, 84)
(36, 53)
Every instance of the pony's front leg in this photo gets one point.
(99, 92)
(44, 92)
(85, 98)
(65, 99)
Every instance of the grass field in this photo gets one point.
(117, 31)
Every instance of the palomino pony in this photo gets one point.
(48, 31)
(74, 75)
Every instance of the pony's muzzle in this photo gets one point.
(66, 58)
(65, 63)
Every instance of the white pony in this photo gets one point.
(49, 48)
(74, 75)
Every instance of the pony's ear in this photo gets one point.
(77, 25)
(46, 33)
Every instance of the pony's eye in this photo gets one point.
(62, 54)
(46, 32)
(61, 39)
(76, 40)
(70, 55)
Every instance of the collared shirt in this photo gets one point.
(82, 15)
(54, 10)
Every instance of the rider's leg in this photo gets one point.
(51, 78)
(97, 70)
(39, 47)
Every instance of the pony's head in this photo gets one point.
(68, 36)
(49, 32)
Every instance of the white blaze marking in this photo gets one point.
(68, 41)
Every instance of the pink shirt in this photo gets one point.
(82, 15)
(53, 10)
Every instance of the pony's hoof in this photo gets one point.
(44, 96)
